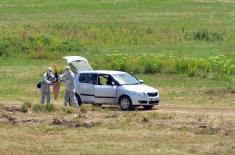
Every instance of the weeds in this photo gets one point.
(50, 107)
(38, 108)
(37, 46)
(216, 67)
(68, 110)
(85, 108)
(44, 108)
(25, 107)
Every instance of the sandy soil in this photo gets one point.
(203, 110)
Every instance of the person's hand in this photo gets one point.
(61, 81)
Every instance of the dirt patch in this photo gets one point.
(8, 118)
(220, 91)
(64, 122)
(73, 124)
(198, 127)
(12, 108)
(199, 110)
(14, 115)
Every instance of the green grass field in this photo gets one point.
(36, 34)
(126, 26)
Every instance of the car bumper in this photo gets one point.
(141, 102)
(146, 101)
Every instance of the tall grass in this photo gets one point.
(37, 46)
(61, 39)
(216, 67)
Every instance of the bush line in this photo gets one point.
(216, 67)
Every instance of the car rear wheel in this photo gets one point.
(125, 103)
(148, 107)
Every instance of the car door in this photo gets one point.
(78, 64)
(86, 88)
(105, 93)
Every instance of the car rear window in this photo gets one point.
(88, 78)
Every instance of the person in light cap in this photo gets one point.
(69, 96)
(47, 81)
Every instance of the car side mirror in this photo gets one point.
(141, 81)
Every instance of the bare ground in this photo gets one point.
(179, 118)
(202, 110)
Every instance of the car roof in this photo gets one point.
(102, 72)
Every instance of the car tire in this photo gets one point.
(125, 103)
(78, 99)
(148, 107)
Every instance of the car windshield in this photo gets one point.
(125, 79)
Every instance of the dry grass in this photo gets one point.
(110, 131)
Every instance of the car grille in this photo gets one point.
(143, 102)
(152, 94)
(153, 102)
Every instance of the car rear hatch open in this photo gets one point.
(78, 63)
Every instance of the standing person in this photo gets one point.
(47, 81)
(69, 96)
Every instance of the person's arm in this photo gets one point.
(53, 78)
(45, 79)
(61, 77)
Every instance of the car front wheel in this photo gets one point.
(125, 103)
(78, 99)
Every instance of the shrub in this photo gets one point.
(148, 63)
(38, 107)
(50, 107)
(44, 108)
(85, 108)
(117, 61)
(37, 46)
(69, 45)
(216, 67)
(204, 35)
(25, 107)
(68, 110)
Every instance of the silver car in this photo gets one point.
(110, 87)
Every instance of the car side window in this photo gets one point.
(88, 78)
(83, 78)
(104, 79)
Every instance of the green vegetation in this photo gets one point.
(168, 40)
(184, 48)
(187, 28)
(25, 107)
(44, 108)
(214, 67)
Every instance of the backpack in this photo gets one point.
(39, 85)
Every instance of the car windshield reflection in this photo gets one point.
(125, 79)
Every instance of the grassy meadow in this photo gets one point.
(184, 48)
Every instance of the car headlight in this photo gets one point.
(141, 94)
